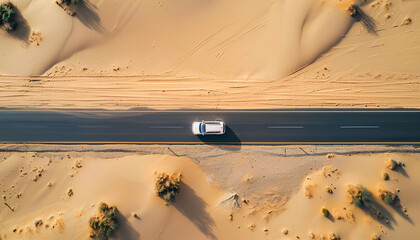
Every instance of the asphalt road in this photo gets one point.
(243, 127)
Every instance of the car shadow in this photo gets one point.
(229, 138)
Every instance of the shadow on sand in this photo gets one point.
(399, 209)
(125, 231)
(367, 21)
(22, 29)
(331, 218)
(194, 208)
(378, 212)
(86, 13)
(402, 170)
(229, 138)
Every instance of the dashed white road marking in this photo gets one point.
(285, 127)
(359, 127)
(166, 127)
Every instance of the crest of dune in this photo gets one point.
(241, 39)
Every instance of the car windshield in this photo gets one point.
(202, 128)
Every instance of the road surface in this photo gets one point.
(243, 127)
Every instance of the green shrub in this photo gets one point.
(102, 227)
(365, 197)
(325, 212)
(389, 197)
(389, 200)
(353, 10)
(70, 2)
(69, 6)
(7, 16)
(168, 187)
(359, 195)
(358, 202)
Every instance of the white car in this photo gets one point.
(208, 128)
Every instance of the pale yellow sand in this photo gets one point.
(234, 38)
(214, 54)
(270, 183)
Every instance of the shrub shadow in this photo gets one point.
(367, 21)
(194, 208)
(22, 30)
(402, 170)
(331, 218)
(86, 13)
(399, 209)
(125, 231)
(378, 212)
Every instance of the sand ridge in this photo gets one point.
(195, 58)
(251, 192)
(245, 39)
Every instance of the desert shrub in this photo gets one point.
(365, 197)
(358, 202)
(393, 165)
(7, 16)
(375, 237)
(389, 197)
(168, 187)
(70, 2)
(359, 195)
(352, 10)
(333, 236)
(102, 227)
(69, 6)
(325, 212)
(353, 193)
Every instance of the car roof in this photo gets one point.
(213, 127)
(212, 122)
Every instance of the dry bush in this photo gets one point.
(389, 197)
(358, 195)
(167, 187)
(69, 6)
(8, 16)
(393, 165)
(331, 236)
(69, 2)
(325, 212)
(352, 10)
(102, 227)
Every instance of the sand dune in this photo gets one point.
(246, 39)
(230, 54)
(215, 55)
(227, 193)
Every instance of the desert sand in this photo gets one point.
(213, 54)
(227, 192)
(199, 54)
